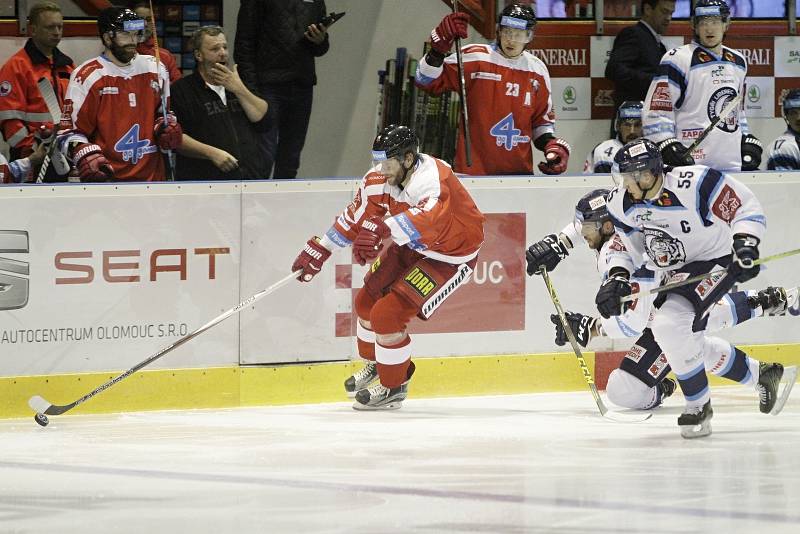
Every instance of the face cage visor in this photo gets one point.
(790, 104)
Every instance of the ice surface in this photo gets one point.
(544, 463)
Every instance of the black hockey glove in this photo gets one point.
(745, 251)
(611, 291)
(548, 253)
(674, 153)
(581, 325)
(751, 153)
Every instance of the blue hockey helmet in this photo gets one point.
(634, 160)
(592, 207)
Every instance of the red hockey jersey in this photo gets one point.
(509, 106)
(433, 214)
(116, 107)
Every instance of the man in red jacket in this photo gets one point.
(22, 108)
(148, 46)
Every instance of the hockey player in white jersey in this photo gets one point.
(628, 126)
(641, 380)
(693, 85)
(783, 153)
(681, 223)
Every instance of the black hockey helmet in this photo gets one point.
(636, 157)
(395, 141)
(119, 19)
(711, 8)
(519, 16)
(592, 207)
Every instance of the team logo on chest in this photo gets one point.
(663, 249)
(716, 103)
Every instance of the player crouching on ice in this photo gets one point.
(641, 380)
(436, 232)
(686, 222)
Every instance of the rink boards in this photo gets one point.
(97, 278)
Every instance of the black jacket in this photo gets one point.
(203, 116)
(633, 62)
(270, 46)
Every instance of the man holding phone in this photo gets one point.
(276, 44)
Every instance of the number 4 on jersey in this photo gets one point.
(132, 147)
(506, 134)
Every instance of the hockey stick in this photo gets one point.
(587, 375)
(462, 90)
(697, 278)
(170, 155)
(51, 155)
(42, 406)
(726, 110)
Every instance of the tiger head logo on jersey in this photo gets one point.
(663, 249)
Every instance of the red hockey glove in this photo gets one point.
(169, 136)
(556, 154)
(369, 241)
(91, 163)
(310, 259)
(452, 26)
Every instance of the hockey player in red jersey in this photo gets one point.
(435, 230)
(508, 95)
(115, 126)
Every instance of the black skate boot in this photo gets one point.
(770, 375)
(695, 422)
(773, 301)
(361, 378)
(666, 388)
(379, 397)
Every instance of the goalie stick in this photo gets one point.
(52, 155)
(619, 417)
(42, 406)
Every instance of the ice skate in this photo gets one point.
(793, 302)
(361, 379)
(770, 376)
(695, 422)
(379, 397)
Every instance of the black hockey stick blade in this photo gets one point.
(620, 417)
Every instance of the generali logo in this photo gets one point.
(135, 265)
(14, 283)
(562, 57)
(757, 56)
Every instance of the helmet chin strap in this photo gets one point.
(406, 170)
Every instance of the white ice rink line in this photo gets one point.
(541, 463)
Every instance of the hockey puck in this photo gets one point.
(41, 419)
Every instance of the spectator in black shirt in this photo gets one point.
(277, 42)
(222, 119)
(637, 53)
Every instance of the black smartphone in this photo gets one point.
(327, 20)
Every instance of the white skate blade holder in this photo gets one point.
(696, 431)
(789, 378)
